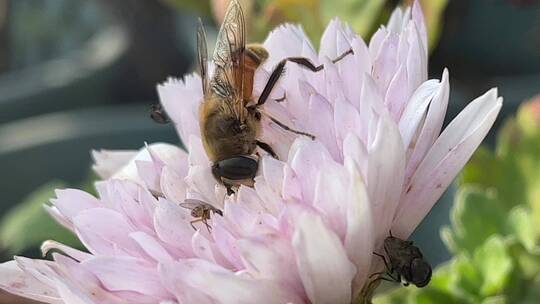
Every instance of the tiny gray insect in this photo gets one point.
(201, 211)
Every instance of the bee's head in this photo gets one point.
(235, 168)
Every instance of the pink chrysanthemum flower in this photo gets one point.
(306, 231)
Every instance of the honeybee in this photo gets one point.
(201, 211)
(405, 263)
(229, 117)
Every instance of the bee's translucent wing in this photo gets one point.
(202, 56)
(228, 57)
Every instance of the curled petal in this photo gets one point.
(444, 160)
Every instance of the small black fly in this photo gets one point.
(158, 114)
(405, 263)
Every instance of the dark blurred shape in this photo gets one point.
(490, 43)
(57, 146)
(490, 37)
(3, 36)
(523, 2)
(158, 48)
(64, 54)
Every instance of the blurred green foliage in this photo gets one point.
(364, 16)
(493, 235)
(26, 226)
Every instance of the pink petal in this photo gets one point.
(72, 252)
(15, 281)
(108, 162)
(371, 103)
(272, 170)
(102, 230)
(416, 57)
(305, 158)
(376, 42)
(416, 109)
(225, 287)
(70, 202)
(149, 175)
(385, 64)
(77, 285)
(259, 82)
(226, 243)
(321, 123)
(395, 22)
(346, 119)
(173, 279)
(386, 167)
(330, 191)
(285, 41)
(354, 148)
(58, 217)
(324, 267)
(172, 185)
(447, 156)
(334, 41)
(432, 125)
(126, 274)
(248, 199)
(398, 93)
(359, 239)
(151, 246)
(172, 226)
(268, 257)
(126, 195)
(181, 100)
(418, 17)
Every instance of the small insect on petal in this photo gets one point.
(158, 114)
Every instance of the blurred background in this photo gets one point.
(79, 75)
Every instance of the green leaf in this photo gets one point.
(396, 296)
(434, 296)
(520, 223)
(476, 215)
(495, 300)
(495, 265)
(27, 225)
(497, 173)
(532, 292)
(360, 14)
(465, 279)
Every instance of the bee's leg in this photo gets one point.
(280, 67)
(281, 98)
(285, 127)
(266, 147)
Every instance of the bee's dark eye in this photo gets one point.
(236, 168)
(420, 272)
